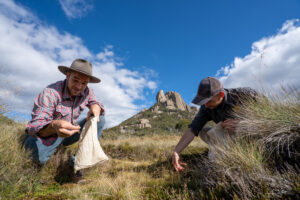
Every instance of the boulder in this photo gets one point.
(144, 123)
(145, 109)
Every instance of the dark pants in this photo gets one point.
(41, 153)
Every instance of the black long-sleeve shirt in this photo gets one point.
(233, 97)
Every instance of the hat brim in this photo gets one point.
(200, 101)
(64, 70)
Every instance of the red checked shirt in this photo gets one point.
(55, 103)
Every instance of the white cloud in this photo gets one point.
(31, 51)
(76, 8)
(274, 61)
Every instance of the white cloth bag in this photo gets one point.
(217, 134)
(89, 151)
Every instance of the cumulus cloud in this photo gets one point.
(274, 61)
(31, 51)
(76, 8)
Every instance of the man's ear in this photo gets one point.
(222, 94)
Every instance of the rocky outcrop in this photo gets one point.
(162, 117)
(144, 123)
(160, 97)
(172, 101)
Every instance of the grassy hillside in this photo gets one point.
(261, 163)
(164, 123)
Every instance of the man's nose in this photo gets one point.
(78, 86)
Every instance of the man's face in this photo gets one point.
(77, 83)
(214, 102)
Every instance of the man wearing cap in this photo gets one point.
(57, 108)
(217, 105)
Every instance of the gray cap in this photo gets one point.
(208, 88)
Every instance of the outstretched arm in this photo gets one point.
(185, 140)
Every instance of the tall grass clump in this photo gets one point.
(274, 122)
(17, 173)
(262, 162)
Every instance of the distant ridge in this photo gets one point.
(170, 114)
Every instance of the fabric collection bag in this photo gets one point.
(217, 135)
(89, 151)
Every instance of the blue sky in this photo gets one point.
(171, 44)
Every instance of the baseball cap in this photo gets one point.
(208, 88)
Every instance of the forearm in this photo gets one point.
(185, 140)
(95, 108)
(48, 130)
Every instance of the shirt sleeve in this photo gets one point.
(42, 113)
(199, 121)
(93, 100)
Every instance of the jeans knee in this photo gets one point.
(101, 123)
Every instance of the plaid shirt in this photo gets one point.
(55, 103)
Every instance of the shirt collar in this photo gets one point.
(225, 99)
(66, 94)
(225, 96)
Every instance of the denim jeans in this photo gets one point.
(41, 153)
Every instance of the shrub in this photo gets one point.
(182, 124)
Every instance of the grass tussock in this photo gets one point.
(274, 123)
(16, 170)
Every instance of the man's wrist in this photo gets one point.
(53, 124)
(176, 151)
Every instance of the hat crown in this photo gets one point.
(208, 88)
(82, 66)
(204, 88)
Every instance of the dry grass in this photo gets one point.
(16, 171)
(139, 168)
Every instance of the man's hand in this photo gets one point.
(176, 162)
(64, 128)
(95, 110)
(230, 124)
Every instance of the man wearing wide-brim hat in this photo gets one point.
(57, 108)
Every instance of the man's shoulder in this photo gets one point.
(237, 94)
(241, 91)
(54, 88)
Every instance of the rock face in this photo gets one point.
(160, 97)
(144, 123)
(172, 101)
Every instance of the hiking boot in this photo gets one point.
(78, 177)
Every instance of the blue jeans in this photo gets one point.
(41, 153)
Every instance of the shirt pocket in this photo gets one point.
(82, 107)
(61, 111)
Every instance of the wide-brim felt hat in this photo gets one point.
(81, 66)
